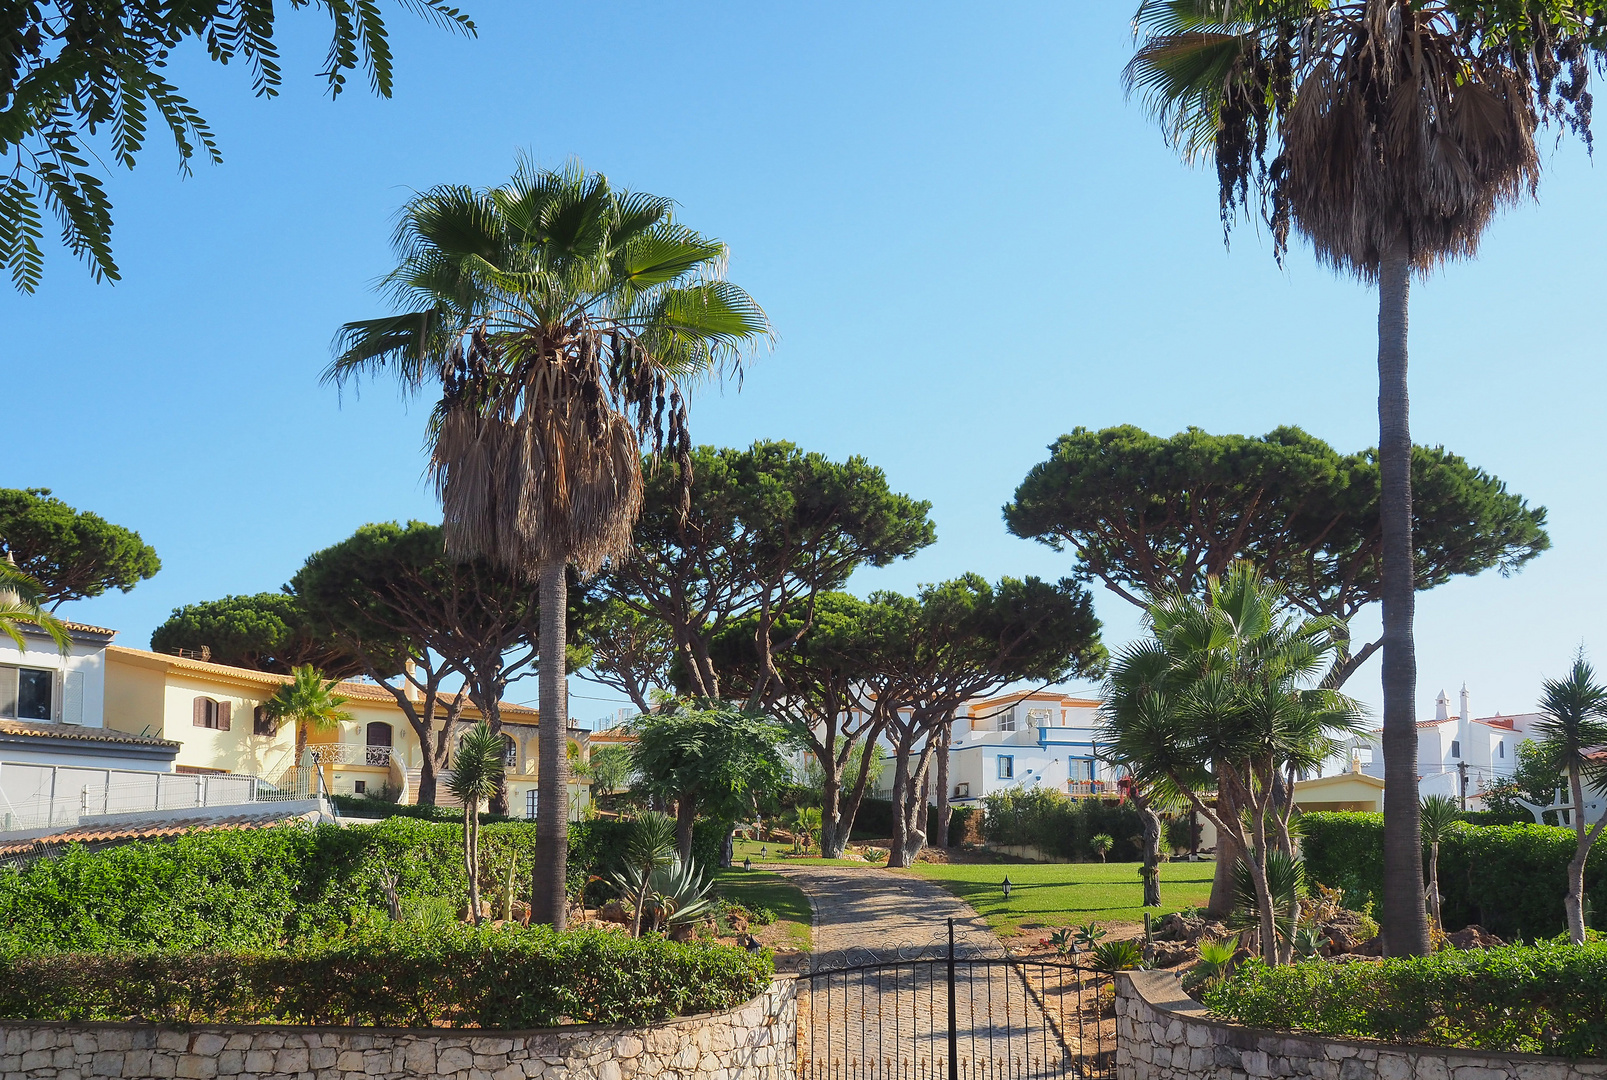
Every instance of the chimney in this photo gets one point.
(1467, 713)
(1442, 707)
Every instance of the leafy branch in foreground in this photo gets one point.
(70, 70)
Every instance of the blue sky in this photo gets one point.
(967, 240)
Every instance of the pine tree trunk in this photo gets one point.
(425, 796)
(685, 822)
(1403, 921)
(550, 900)
(833, 839)
(940, 830)
(898, 857)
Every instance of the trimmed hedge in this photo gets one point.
(1508, 878)
(1062, 826)
(1550, 999)
(257, 889)
(394, 976)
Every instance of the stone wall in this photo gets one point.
(757, 1041)
(1162, 1034)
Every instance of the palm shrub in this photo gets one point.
(1101, 843)
(1216, 963)
(1286, 880)
(309, 702)
(1440, 817)
(22, 601)
(1109, 957)
(476, 775)
(560, 317)
(1572, 725)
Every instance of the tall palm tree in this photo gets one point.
(1573, 724)
(477, 769)
(21, 601)
(560, 318)
(1397, 128)
(309, 702)
(1228, 694)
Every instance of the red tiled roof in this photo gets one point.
(75, 733)
(151, 830)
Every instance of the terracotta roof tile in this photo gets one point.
(75, 733)
(151, 830)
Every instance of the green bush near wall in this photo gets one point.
(1550, 999)
(1061, 826)
(1508, 878)
(393, 975)
(874, 820)
(260, 888)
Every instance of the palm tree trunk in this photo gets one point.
(1404, 925)
(1228, 854)
(1573, 902)
(550, 900)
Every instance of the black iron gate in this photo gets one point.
(937, 1014)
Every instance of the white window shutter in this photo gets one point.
(72, 698)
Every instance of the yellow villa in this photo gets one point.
(217, 714)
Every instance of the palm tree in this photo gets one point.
(1229, 694)
(1440, 820)
(560, 318)
(20, 602)
(1398, 128)
(308, 701)
(476, 776)
(1573, 724)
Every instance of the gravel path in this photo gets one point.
(890, 1021)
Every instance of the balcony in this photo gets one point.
(1091, 789)
(351, 754)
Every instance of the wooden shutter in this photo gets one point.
(199, 712)
(224, 709)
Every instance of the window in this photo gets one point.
(510, 753)
(25, 693)
(1456, 748)
(1007, 721)
(1501, 748)
(1082, 769)
(262, 723)
(1037, 718)
(1007, 767)
(530, 803)
(360, 787)
(209, 713)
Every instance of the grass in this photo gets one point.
(1044, 895)
(760, 888)
(772, 853)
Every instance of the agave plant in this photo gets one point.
(651, 847)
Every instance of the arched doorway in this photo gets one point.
(378, 736)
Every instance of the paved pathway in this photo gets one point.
(891, 1022)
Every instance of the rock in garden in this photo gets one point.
(1474, 937)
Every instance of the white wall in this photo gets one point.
(79, 694)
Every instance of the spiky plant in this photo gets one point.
(1440, 818)
(476, 775)
(1572, 730)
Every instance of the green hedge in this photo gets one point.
(1508, 878)
(392, 975)
(1550, 999)
(1062, 826)
(257, 889)
(874, 820)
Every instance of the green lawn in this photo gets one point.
(1066, 894)
(760, 888)
(772, 853)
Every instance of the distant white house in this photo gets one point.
(1043, 739)
(1458, 755)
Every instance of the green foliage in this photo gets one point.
(1533, 779)
(477, 765)
(1304, 513)
(1549, 999)
(1059, 825)
(394, 975)
(1216, 962)
(1286, 881)
(72, 70)
(718, 757)
(71, 554)
(21, 602)
(1109, 957)
(1101, 843)
(1510, 879)
(258, 889)
(265, 632)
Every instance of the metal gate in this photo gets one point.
(932, 1013)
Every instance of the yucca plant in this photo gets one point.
(1112, 956)
(476, 773)
(1216, 963)
(1286, 879)
(651, 848)
(1439, 816)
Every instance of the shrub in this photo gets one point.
(391, 975)
(1549, 999)
(256, 889)
(1509, 878)
(1059, 825)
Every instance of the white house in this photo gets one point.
(1042, 739)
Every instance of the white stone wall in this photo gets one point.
(757, 1041)
(1162, 1034)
